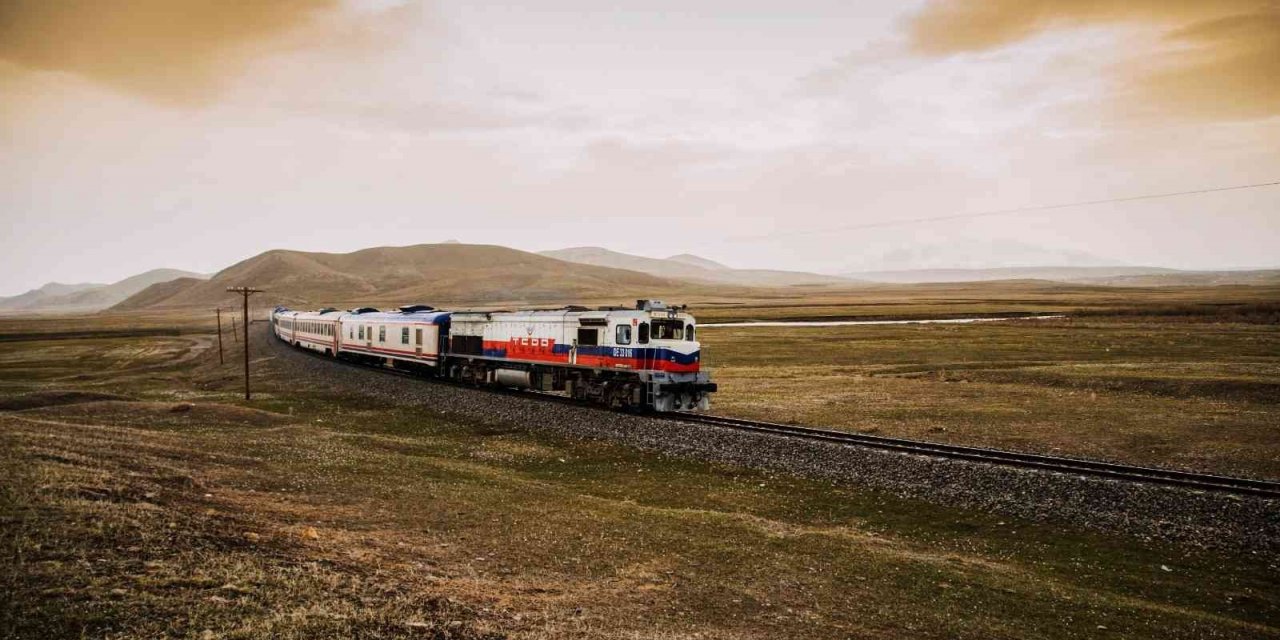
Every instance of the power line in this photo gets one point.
(1002, 212)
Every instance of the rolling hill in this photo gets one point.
(34, 298)
(693, 268)
(61, 298)
(429, 273)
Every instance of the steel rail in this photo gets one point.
(1077, 466)
(1057, 464)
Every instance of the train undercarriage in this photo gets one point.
(623, 390)
(629, 390)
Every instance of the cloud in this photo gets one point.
(168, 51)
(1215, 60)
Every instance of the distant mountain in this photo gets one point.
(1057, 274)
(973, 254)
(430, 273)
(699, 261)
(692, 268)
(1101, 276)
(49, 291)
(58, 298)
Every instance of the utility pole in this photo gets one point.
(220, 360)
(234, 330)
(245, 292)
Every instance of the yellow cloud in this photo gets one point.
(1214, 60)
(173, 51)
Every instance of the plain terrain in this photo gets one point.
(143, 497)
(1173, 391)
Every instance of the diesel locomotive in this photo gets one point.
(644, 358)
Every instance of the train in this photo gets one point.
(645, 357)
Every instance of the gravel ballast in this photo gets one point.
(1186, 517)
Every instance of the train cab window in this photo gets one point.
(382, 334)
(642, 335)
(404, 335)
(623, 335)
(668, 330)
(688, 332)
(588, 337)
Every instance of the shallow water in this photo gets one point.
(847, 323)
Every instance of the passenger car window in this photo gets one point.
(382, 334)
(404, 335)
(623, 335)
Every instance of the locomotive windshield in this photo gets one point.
(668, 329)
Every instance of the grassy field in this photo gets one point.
(142, 498)
(955, 300)
(1151, 390)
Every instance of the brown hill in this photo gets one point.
(694, 268)
(64, 298)
(432, 273)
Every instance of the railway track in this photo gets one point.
(1057, 464)
(1128, 473)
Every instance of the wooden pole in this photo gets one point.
(246, 345)
(235, 333)
(220, 360)
(245, 292)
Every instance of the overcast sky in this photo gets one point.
(144, 133)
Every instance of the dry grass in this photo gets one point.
(173, 509)
(991, 298)
(1195, 395)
